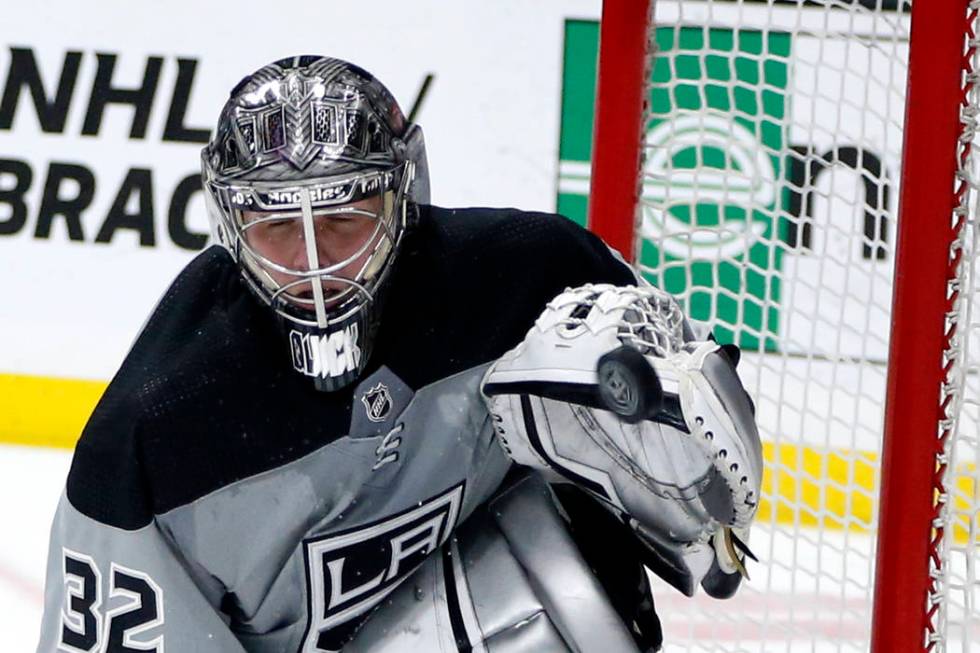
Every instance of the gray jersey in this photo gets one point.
(217, 502)
(511, 580)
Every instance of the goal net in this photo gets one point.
(761, 185)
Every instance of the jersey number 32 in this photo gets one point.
(136, 607)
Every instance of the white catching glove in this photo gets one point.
(605, 393)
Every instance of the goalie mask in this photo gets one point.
(310, 179)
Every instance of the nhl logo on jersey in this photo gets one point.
(377, 401)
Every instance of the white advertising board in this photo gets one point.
(96, 213)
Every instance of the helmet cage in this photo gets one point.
(304, 139)
(307, 201)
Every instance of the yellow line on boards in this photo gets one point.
(819, 488)
(45, 411)
(803, 485)
(837, 489)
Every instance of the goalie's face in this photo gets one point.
(340, 242)
(309, 181)
(316, 251)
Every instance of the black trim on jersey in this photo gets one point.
(532, 433)
(207, 395)
(452, 600)
(471, 282)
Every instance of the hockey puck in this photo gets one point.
(628, 385)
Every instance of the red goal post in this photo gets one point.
(928, 373)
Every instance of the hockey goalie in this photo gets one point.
(361, 422)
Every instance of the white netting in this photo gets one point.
(954, 569)
(770, 195)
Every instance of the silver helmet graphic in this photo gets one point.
(309, 180)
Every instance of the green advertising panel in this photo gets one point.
(715, 145)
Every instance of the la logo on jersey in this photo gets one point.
(331, 354)
(349, 573)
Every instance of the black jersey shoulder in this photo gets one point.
(205, 397)
(472, 281)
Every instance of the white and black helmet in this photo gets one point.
(298, 143)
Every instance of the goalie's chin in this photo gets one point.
(335, 296)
